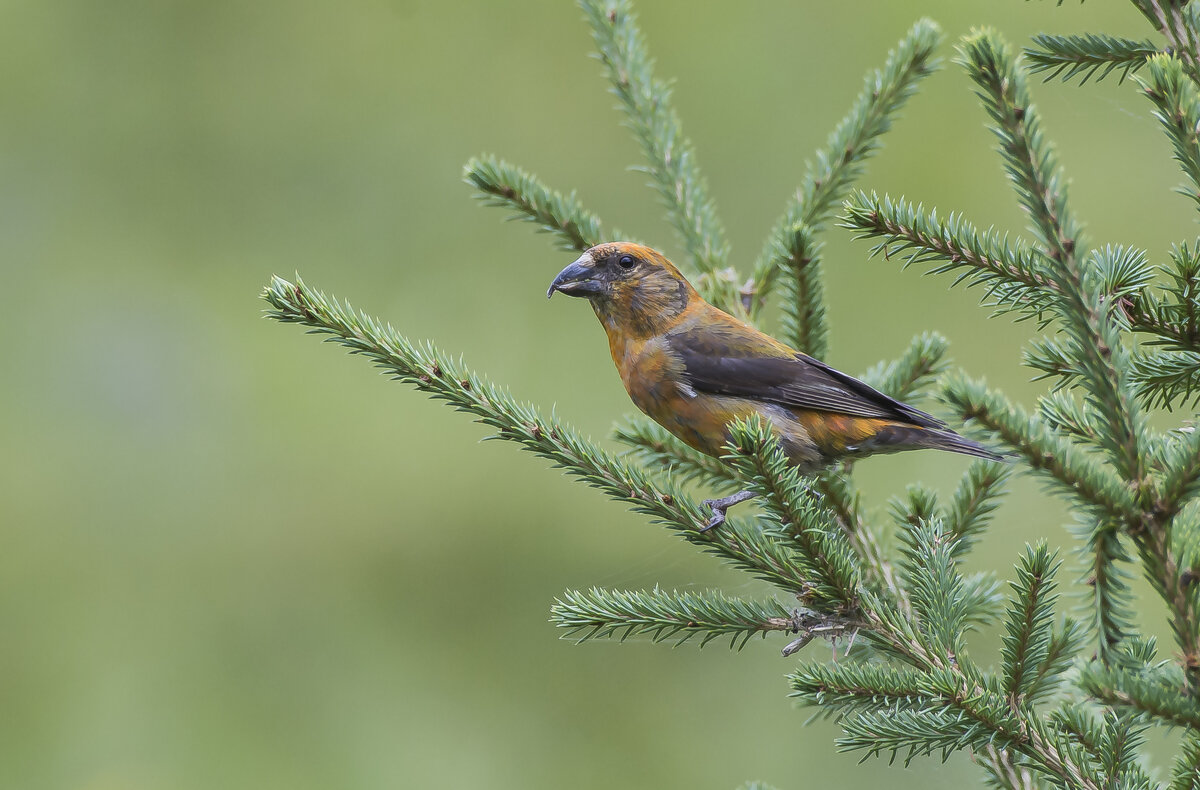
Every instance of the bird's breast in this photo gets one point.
(655, 381)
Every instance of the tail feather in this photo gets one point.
(894, 438)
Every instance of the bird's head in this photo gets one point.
(627, 283)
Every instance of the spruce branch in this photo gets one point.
(1186, 774)
(1177, 107)
(1079, 724)
(1070, 470)
(1177, 23)
(792, 248)
(1112, 601)
(1122, 737)
(678, 616)
(1066, 642)
(1086, 56)
(1006, 771)
(826, 557)
(974, 501)
(1172, 318)
(1009, 271)
(919, 504)
(1061, 412)
(913, 372)
(1093, 354)
(1122, 272)
(1177, 321)
(1168, 574)
(935, 587)
(1040, 185)
(1029, 160)
(501, 184)
(1012, 274)
(908, 734)
(670, 156)
(1029, 626)
(844, 687)
(430, 371)
(1158, 693)
(910, 713)
(1053, 359)
(1180, 480)
(1166, 378)
(802, 296)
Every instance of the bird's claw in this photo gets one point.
(719, 506)
(718, 516)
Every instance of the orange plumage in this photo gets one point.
(694, 369)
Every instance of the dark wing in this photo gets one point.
(725, 362)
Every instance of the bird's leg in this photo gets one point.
(719, 506)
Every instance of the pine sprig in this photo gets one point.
(1152, 691)
(843, 688)
(1167, 378)
(1087, 56)
(1174, 318)
(1062, 413)
(909, 713)
(1070, 470)
(974, 501)
(1029, 626)
(1010, 273)
(1028, 158)
(802, 294)
(906, 735)
(833, 576)
(1178, 23)
(1180, 480)
(1123, 735)
(1177, 107)
(935, 587)
(671, 160)
(1112, 601)
(911, 374)
(563, 216)
(1066, 642)
(664, 616)
(427, 369)
(1041, 187)
(1186, 774)
(792, 248)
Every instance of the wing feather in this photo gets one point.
(729, 363)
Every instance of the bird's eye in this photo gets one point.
(626, 261)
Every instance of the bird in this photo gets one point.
(694, 369)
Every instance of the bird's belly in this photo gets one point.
(701, 420)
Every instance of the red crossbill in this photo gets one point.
(694, 369)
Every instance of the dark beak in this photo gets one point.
(578, 279)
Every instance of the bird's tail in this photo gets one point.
(909, 437)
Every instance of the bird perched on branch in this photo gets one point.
(694, 369)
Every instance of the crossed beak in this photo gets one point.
(578, 279)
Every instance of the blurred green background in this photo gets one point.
(235, 558)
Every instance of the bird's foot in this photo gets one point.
(719, 506)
